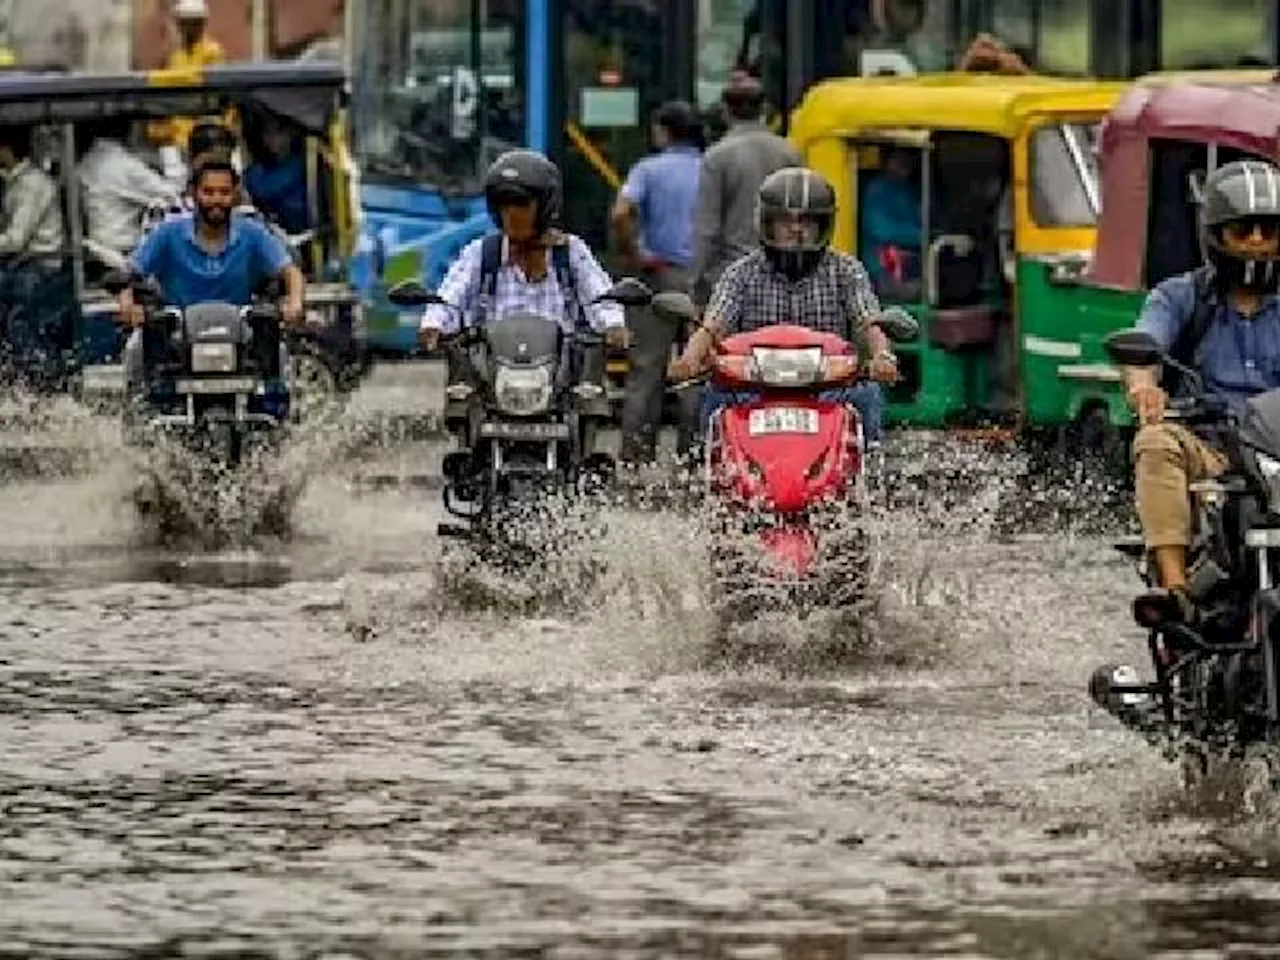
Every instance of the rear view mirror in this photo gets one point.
(675, 304)
(1133, 348)
(411, 293)
(629, 292)
(898, 325)
(116, 282)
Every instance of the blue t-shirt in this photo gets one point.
(188, 274)
(1239, 356)
(665, 188)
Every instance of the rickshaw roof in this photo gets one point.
(303, 92)
(982, 103)
(1245, 115)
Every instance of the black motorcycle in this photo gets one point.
(216, 393)
(526, 400)
(1216, 693)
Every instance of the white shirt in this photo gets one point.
(118, 189)
(32, 215)
(516, 293)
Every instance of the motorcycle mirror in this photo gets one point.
(675, 304)
(1133, 348)
(898, 325)
(116, 282)
(629, 292)
(411, 293)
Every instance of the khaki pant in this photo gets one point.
(1168, 458)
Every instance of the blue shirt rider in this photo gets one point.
(891, 221)
(212, 256)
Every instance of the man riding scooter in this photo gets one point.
(795, 278)
(213, 256)
(1222, 320)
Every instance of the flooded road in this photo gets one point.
(314, 750)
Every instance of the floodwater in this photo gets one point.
(315, 750)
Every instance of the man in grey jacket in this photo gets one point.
(726, 227)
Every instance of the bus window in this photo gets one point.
(1240, 36)
(891, 37)
(426, 111)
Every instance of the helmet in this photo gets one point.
(520, 176)
(1243, 190)
(787, 194)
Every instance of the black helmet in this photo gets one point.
(1243, 191)
(789, 193)
(519, 176)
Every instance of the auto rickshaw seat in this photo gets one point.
(958, 328)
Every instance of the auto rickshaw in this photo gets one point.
(1157, 145)
(308, 99)
(974, 151)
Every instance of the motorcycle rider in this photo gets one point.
(795, 278)
(1222, 320)
(530, 265)
(213, 256)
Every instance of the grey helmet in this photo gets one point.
(1240, 191)
(522, 176)
(796, 192)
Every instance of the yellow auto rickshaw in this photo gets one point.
(967, 196)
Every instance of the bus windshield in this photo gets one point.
(435, 93)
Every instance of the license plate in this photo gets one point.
(208, 385)
(524, 431)
(769, 420)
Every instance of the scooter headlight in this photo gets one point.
(1269, 467)
(523, 391)
(787, 367)
(213, 358)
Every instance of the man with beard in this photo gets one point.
(213, 256)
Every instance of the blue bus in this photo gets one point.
(440, 87)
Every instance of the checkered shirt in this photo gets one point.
(836, 298)
(514, 293)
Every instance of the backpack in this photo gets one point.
(1185, 345)
(491, 263)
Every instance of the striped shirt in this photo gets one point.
(515, 293)
(835, 298)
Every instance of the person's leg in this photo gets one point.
(1168, 458)
(868, 398)
(651, 338)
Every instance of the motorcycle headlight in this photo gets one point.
(787, 367)
(213, 358)
(523, 391)
(1269, 467)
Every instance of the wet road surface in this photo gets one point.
(317, 750)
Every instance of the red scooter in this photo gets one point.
(786, 472)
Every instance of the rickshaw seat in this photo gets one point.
(955, 328)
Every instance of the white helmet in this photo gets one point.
(191, 10)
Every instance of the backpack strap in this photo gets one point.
(563, 267)
(490, 264)
(1206, 308)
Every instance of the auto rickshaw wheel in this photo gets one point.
(316, 389)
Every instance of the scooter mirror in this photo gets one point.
(629, 292)
(675, 304)
(411, 293)
(1133, 348)
(116, 282)
(898, 325)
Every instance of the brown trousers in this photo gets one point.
(1168, 458)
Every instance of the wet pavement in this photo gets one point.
(319, 750)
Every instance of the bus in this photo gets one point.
(441, 87)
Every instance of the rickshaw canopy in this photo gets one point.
(979, 103)
(308, 94)
(1242, 116)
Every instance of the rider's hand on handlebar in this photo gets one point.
(428, 338)
(1148, 402)
(134, 316)
(681, 368)
(884, 368)
(618, 338)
